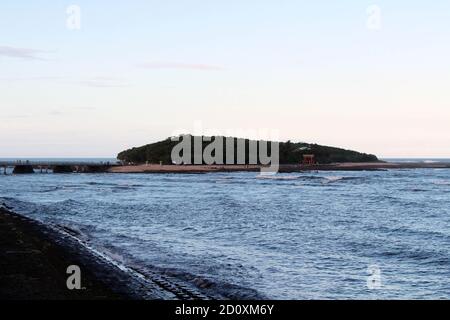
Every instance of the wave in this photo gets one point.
(93, 183)
(422, 256)
(230, 180)
(190, 229)
(65, 202)
(49, 189)
(183, 284)
(441, 182)
(226, 178)
(73, 230)
(313, 179)
(408, 231)
(401, 252)
(21, 206)
(276, 177)
(331, 179)
(205, 286)
(405, 245)
(414, 190)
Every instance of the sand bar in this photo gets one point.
(364, 166)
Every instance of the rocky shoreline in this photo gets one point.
(34, 259)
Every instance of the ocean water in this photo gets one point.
(417, 160)
(60, 160)
(317, 235)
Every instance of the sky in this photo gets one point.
(91, 78)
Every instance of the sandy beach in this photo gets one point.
(363, 166)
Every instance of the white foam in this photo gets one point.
(441, 182)
(333, 178)
(277, 177)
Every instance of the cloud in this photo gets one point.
(179, 66)
(103, 82)
(85, 108)
(17, 116)
(52, 113)
(32, 78)
(21, 53)
(60, 112)
(96, 82)
(56, 113)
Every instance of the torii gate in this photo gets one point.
(309, 160)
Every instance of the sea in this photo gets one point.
(311, 235)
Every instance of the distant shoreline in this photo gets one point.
(360, 166)
(70, 167)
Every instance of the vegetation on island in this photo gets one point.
(289, 152)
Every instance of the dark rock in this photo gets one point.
(63, 169)
(23, 169)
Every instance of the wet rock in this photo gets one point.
(23, 169)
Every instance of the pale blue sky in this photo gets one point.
(138, 71)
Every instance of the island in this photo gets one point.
(239, 154)
(289, 152)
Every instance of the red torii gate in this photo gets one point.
(309, 159)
